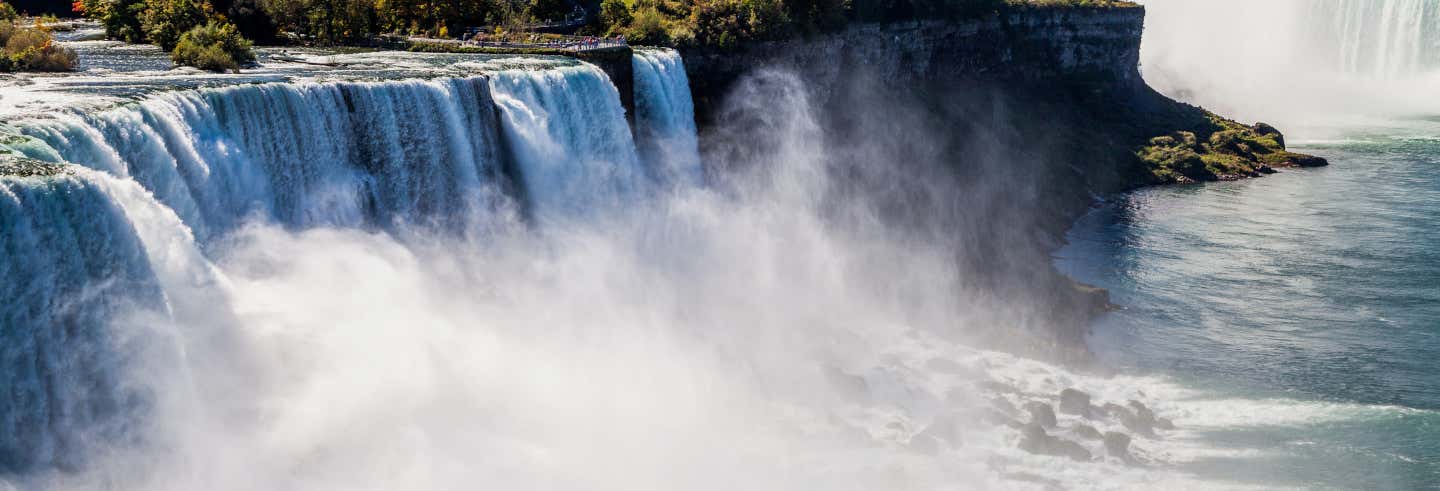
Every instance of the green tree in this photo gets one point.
(614, 15)
(216, 46)
(164, 21)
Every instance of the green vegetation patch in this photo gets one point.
(1219, 150)
(216, 46)
(31, 49)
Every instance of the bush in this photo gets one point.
(216, 46)
(28, 49)
(7, 13)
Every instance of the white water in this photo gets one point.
(666, 116)
(733, 335)
(1297, 63)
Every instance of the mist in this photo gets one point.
(1300, 64)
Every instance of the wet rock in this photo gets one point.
(1088, 432)
(1036, 441)
(1267, 130)
(1265, 169)
(1118, 445)
(1041, 413)
(1075, 402)
(1164, 424)
(1141, 421)
(1303, 160)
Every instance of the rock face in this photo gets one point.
(1029, 46)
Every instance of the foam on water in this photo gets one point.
(285, 303)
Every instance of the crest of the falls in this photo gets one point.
(301, 154)
(665, 116)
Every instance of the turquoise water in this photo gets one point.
(1314, 291)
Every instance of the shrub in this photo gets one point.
(216, 46)
(7, 13)
(30, 49)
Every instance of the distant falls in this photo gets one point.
(665, 115)
(1378, 38)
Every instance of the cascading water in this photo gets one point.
(72, 267)
(1381, 39)
(572, 149)
(343, 154)
(664, 115)
(742, 333)
(1296, 62)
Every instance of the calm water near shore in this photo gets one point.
(1312, 294)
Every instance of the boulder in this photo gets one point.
(1041, 413)
(1303, 160)
(1075, 402)
(1141, 421)
(1118, 445)
(1164, 424)
(1036, 441)
(1267, 130)
(1087, 432)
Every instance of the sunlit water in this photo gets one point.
(1308, 300)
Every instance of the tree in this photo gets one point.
(614, 15)
(163, 21)
(215, 46)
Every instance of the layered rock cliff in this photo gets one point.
(1024, 117)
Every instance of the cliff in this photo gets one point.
(1036, 46)
(1022, 118)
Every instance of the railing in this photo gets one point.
(568, 43)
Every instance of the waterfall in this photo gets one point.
(1379, 38)
(73, 266)
(105, 245)
(572, 148)
(305, 155)
(665, 115)
(1296, 62)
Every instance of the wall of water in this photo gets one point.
(73, 266)
(665, 116)
(107, 251)
(1298, 63)
(304, 155)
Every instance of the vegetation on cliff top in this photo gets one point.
(716, 23)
